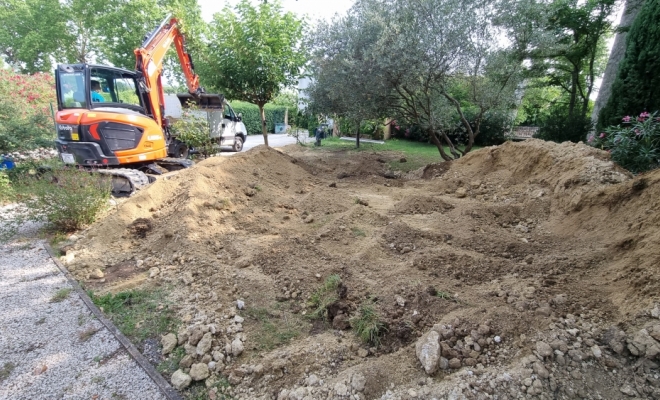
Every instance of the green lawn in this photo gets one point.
(417, 154)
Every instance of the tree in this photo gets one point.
(33, 32)
(253, 53)
(345, 84)
(409, 58)
(638, 80)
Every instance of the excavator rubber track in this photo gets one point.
(126, 181)
(174, 164)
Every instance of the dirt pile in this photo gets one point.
(550, 247)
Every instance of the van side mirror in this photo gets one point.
(239, 117)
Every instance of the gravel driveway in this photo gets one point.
(52, 349)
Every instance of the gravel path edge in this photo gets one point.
(164, 386)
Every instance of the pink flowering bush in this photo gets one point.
(25, 118)
(635, 145)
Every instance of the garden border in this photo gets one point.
(168, 391)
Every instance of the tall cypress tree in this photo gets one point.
(637, 86)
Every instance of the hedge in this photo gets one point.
(252, 120)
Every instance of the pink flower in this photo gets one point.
(637, 132)
(602, 135)
(644, 115)
(627, 118)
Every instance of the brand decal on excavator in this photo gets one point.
(154, 137)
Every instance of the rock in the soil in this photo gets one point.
(358, 382)
(153, 272)
(540, 370)
(186, 361)
(628, 390)
(341, 389)
(169, 342)
(240, 304)
(204, 345)
(460, 193)
(97, 274)
(427, 349)
(199, 372)
(543, 349)
(69, 258)
(195, 336)
(596, 351)
(237, 347)
(218, 356)
(180, 380)
(341, 322)
(454, 363)
(362, 353)
(312, 380)
(400, 301)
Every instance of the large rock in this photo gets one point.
(199, 372)
(427, 349)
(358, 381)
(237, 347)
(204, 345)
(180, 380)
(544, 349)
(169, 342)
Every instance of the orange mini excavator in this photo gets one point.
(112, 120)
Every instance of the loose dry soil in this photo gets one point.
(536, 264)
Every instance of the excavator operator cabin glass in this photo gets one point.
(72, 89)
(116, 87)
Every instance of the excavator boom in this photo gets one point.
(149, 61)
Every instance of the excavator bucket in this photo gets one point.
(203, 101)
(211, 106)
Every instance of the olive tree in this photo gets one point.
(408, 56)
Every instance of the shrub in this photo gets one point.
(558, 127)
(635, 147)
(252, 119)
(367, 324)
(193, 130)
(25, 117)
(65, 199)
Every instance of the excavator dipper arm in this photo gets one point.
(149, 61)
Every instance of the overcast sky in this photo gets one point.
(315, 9)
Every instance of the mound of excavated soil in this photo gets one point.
(535, 263)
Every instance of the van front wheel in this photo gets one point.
(238, 144)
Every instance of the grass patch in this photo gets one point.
(323, 297)
(358, 232)
(139, 314)
(367, 324)
(6, 370)
(171, 363)
(418, 154)
(61, 295)
(273, 331)
(199, 391)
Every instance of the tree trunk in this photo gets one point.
(357, 135)
(262, 113)
(438, 144)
